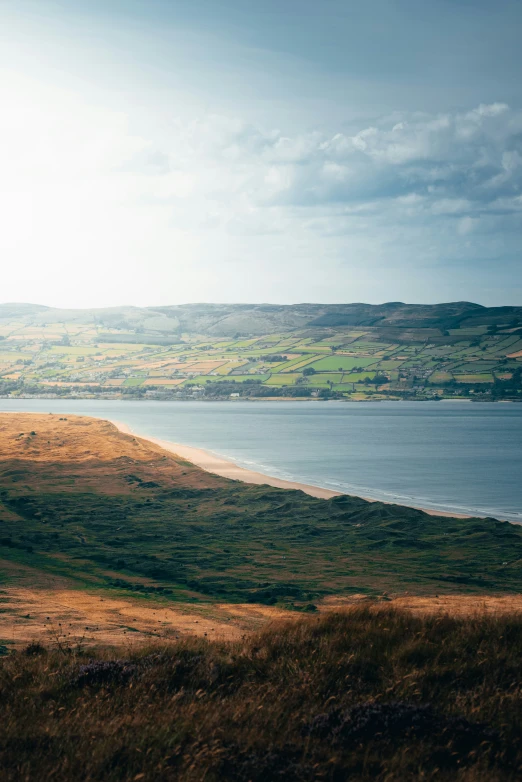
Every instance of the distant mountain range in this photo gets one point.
(258, 319)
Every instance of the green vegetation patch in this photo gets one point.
(134, 381)
(514, 347)
(315, 348)
(368, 344)
(385, 365)
(287, 379)
(296, 363)
(475, 367)
(440, 377)
(471, 378)
(341, 363)
(324, 378)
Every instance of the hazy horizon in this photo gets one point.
(202, 152)
(254, 304)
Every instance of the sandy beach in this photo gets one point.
(213, 463)
(227, 469)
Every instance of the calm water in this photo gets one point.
(447, 456)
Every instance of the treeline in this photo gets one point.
(254, 388)
(500, 388)
(510, 387)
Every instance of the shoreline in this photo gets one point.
(219, 465)
(112, 398)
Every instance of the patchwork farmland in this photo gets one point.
(55, 355)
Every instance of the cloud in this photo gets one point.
(410, 190)
(419, 187)
(221, 202)
(440, 165)
(476, 156)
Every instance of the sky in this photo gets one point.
(159, 152)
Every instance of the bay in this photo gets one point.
(446, 456)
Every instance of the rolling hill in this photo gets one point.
(259, 319)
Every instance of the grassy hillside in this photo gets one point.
(365, 695)
(79, 499)
(353, 351)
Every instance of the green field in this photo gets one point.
(322, 378)
(440, 377)
(282, 380)
(478, 378)
(341, 363)
(356, 377)
(134, 381)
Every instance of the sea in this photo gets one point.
(454, 457)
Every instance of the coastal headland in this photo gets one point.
(116, 534)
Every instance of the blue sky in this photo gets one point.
(165, 151)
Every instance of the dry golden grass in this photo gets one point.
(66, 439)
(102, 451)
(38, 615)
(40, 607)
(430, 605)
(369, 694)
